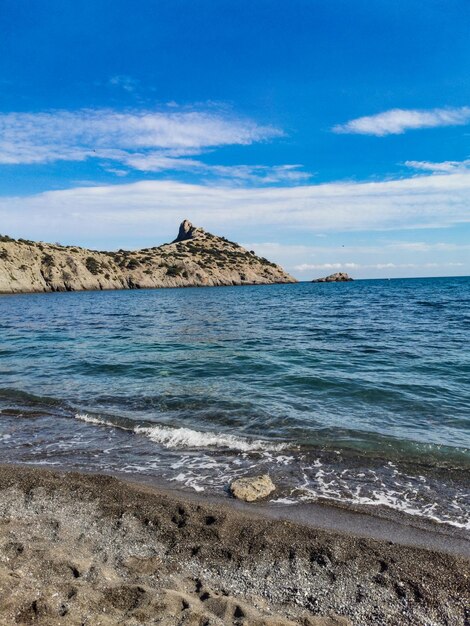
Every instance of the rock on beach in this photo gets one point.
(252, 489)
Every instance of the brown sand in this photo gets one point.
(92, 550)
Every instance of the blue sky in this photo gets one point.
(327, 135)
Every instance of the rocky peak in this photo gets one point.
(188, 231)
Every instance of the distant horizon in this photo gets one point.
(324, 136)
(397, 278)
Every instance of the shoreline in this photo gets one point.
(81, 548)
(436, 512)
(208, 286)
(130, 289)
(400, 528)
(378, 522)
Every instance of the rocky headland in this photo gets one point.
(195, 258)
(338, 277)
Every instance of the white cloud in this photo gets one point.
(125, 210)
(397, 121)
(443, 167)
(380, 258)
(130, 137)
(304, 267)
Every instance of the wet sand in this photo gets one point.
(94, 550)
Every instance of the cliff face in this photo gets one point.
(194, 258)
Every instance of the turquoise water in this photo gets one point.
(356, 393)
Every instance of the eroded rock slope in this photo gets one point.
(194, 258)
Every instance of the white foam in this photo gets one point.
(84, 417)
(188, 481)
(286, 500)
(189, 438)
(321, 488)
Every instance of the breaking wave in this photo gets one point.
(170, 437)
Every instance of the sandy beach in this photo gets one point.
(94, 550)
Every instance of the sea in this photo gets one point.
(349, 394)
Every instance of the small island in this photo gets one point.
(339, 277)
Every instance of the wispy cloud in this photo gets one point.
(397, 121)
(160, 161)
(125, 82)
(422, 246)
(443, 166)
(264, 173)
(149, 141)
(384, 247)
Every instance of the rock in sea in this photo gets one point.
(339, 277)
(251, 489)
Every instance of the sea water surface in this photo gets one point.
(351, 393)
